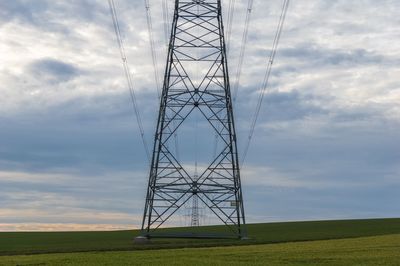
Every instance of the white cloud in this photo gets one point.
(58, 227)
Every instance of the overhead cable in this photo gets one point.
(128, 75)
(266, 76)
(242, 48)
(152, 46)
(154, 53)
(165, 14)
(231, 12)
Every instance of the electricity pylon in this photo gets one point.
(196, 83)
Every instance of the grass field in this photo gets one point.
(51, 242)
(378, 250)
(345, 242)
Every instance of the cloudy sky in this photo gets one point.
(327, 145)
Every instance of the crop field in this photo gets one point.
(378, 250)
(347, 242)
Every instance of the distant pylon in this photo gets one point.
(196, 83)
(195, 217)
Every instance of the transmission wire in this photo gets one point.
(128, 74)
(152, 46)
(165, 21)
(242, 49)
(231, 12)
(266, 76)
(231, 8)
(154, 53)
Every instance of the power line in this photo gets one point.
(231, 12)
(242, 48)
(266, 76)
(152, 46)
(154, 52)
(128, 74)
(165, 14)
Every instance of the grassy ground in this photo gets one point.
(32, 243)
(378, 250)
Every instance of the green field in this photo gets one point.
(363, 242)
(378, 250)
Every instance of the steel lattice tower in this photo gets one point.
(196, 81)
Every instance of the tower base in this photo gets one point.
(141, 240)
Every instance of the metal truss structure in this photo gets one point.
(196, 81)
